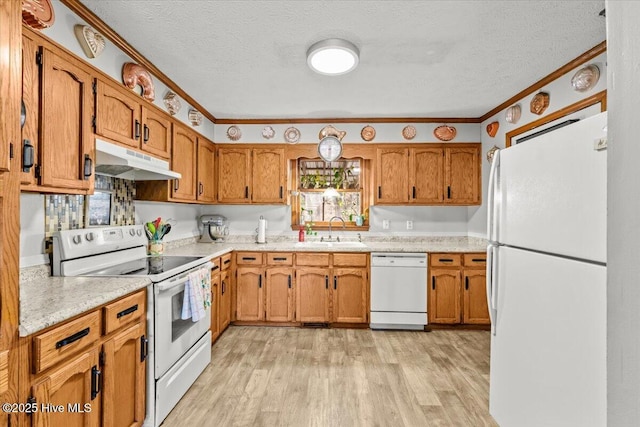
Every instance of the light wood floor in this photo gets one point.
(264, 376)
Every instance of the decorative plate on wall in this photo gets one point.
(513, 113)
(195, 117)
(368, 133)
(492, 128)
(37, 14)
(292, 135)
(539, 103)
(234, 133)
(585, 78)
(134, 75)
(445, 133)
(409, 132)
(91, 41)
(268, 132)
(172, 102)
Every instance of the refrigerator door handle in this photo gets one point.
(493, 180)
(492, 262)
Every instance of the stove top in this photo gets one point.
(147, 266)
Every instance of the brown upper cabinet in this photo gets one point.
(123, 117)
(428, 174)
(251, 175)
(193, 156)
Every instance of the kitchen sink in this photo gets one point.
(330, 245)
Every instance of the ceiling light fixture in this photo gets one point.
(333, 57)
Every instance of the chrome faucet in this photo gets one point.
(344, 226)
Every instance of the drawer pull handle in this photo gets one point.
(95, 382)
(227, 261)
(144, 348)
(478, 260)
(445, 260)
(215, 267)
(280, 258)
(127, 311)
(246, 258)
(72, 338)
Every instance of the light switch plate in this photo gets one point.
(409, 225)
(385, 224)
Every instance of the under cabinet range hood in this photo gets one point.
(120, 162)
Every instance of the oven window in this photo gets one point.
(178, 326)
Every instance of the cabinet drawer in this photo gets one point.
(249, 258)
(124, 311)
(350, 260)
(65, 340)
(217, 266)
(280, 258)
(225, 261)
(312, 259)
(444, 260)
(479, 259)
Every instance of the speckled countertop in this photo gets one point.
(46, 300)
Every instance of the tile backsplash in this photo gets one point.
(67, 212)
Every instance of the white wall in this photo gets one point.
(623, 269)
(561, 95)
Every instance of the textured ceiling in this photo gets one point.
(246, 59)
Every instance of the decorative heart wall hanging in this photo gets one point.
(91, 41)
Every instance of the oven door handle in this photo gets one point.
(179, 280)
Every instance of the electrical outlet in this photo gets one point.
(385, 224)
(600, 144)
(409, 225)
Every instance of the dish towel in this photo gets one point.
(197, 295)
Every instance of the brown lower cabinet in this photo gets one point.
(82, 373)
(456, 292)
(302, 287)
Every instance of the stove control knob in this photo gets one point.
(77, 239)
(89, 237)
(132, 232)
(139, 232)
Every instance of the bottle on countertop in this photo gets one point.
(301, 234)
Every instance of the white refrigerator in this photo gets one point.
(546, 278)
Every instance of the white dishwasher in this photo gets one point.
(398, 291)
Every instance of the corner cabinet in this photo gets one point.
(251, 175)
(193, 156)
(62, 144)
(428, 174)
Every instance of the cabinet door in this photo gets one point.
(427, 175)
(183, 161)
(66, 123)
(476, 310)
(72, 384)
(156, 133)
(124, 378)
(350, 295)
(463, 175)
(268, 176)
(444, 296)
(31, 100)
(9, 80)
(224, 306)
(312, 295)
(206, 171)
(215, 305)
(250, 306)
(117, 115)
(392, 175)
(234, 167)
(279, 294)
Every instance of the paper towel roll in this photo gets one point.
(262, 230)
